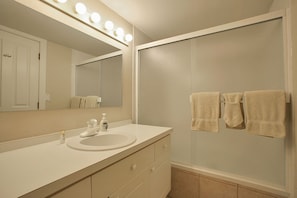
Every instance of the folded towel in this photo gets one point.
(265, 113)
(75, 102)
(233, 114)
(205, 111)
(91, 102)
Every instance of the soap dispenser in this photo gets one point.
(103, 123)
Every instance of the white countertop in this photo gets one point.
(47, 167)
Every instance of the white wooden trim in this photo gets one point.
(216, 29)
(42, 74)
(99, 58)
(290, 143)
(42, 62)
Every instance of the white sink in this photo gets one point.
(101, 142)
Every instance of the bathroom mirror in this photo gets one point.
(59, 36)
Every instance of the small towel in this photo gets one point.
(205, 111)
(233, 110)
(75, 102)
(265, 113)
(91, 102)
(82, 102)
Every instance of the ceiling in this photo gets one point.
(160, 19)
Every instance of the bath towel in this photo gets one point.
(233, 110)
(265, 113)
(205, 108)
(75, 102)
(91, 102)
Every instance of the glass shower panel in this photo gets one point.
(243, 59)
(164, 89)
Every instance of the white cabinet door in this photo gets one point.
(160, 183)
(160, 178)
(136, 188)
(19, 73)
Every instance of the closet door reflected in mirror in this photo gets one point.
(19, 73)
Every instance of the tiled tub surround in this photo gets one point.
(43, 169)
(188, 184)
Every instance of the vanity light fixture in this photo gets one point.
(80, 8)
(128, 38)
(108, 25)
(120, 32)
(79, 11)
(95, 17)
(61, 1)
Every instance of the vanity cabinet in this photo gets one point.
(145, 173)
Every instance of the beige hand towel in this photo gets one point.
(233, 114)
(75, 102)
(205, 111)
(265, 113)
(91, 102)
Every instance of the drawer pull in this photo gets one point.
(133, 167)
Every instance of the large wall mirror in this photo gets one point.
(66, 51)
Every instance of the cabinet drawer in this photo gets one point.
(107, 181)
(162, 150)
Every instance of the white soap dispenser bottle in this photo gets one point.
(103, 123)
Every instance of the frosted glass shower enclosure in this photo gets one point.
(248, 56)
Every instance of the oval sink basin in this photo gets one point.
(102, 142)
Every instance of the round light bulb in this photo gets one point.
(108, 25)
(128, 37)
(80, 8)
(120, 32)
(95, 17)
(61, 1)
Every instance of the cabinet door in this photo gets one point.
(160, 177)
(160, 183)
(77, 190)
(137, 188)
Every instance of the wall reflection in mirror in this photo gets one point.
(65, 49)
(98, 82)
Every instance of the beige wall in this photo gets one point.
(58, 76)
(15, 125)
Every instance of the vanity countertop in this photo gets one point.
(44, 168)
